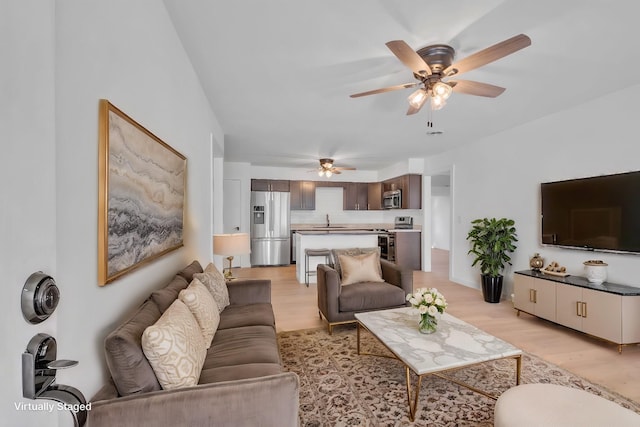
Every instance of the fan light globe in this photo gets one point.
(437, 103)
(320, 173)
(442, 90)
(328, 174)
(417, 98)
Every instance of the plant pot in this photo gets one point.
(491, 288)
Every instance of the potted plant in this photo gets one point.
(491, 242)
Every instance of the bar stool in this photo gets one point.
(326, 253)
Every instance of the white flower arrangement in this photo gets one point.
(427, 301)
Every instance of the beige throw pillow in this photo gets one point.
(352, 251)
(175, 347)
(360, 268)
(203, 307)
(214, 281)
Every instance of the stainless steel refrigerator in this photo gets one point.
(270, 228)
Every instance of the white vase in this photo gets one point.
(596, 271)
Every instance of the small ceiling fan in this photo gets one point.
(432, 64)
(327, 169)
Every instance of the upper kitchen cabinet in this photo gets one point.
(411, 187)
(356, 196)
(375, 196)
(392, 184)
(303, 195)
(411, 191)
(270, 185)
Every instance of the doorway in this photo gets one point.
(231, 215)
(441, 215)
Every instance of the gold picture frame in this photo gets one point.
(141, 197)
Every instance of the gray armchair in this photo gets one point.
(338, 304)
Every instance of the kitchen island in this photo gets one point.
(328, 238)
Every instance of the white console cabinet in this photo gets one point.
(608, 311)
(534, 296)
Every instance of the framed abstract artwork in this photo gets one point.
(142, 183)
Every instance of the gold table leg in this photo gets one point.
(413, 406)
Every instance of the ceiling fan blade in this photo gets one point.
(476, 88)
(409, 57)
(341, 168)
(335, 171)
(384, 89)
(488, 55)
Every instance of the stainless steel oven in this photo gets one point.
(392, 199)
(387, 245)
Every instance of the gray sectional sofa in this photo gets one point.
(242, 382)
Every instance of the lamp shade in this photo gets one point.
(231, 244)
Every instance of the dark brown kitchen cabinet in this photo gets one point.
(303, 195)
(356, 196)
(375, 196)
(408, 249)
(411, 187)
(270, 185)
(392, 184)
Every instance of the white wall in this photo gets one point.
(500, 176)
(440, 218)
(27, 187)
(129, 53)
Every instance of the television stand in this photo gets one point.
(608, 311)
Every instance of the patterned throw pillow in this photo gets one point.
(214, 281)
(203, 307)
(175, 347)
(360, 268)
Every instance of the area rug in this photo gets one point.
(338, 387)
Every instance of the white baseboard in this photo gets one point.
(467, 283)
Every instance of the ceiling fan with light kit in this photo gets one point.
(327, 169)
(432, 65)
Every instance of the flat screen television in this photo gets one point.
(599, 213)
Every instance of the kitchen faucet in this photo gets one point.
(328, 223)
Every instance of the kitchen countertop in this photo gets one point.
(335, 231)
(341, 228)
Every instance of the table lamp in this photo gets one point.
(230, 245)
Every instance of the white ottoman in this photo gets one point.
(546, 405)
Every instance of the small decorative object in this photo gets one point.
(429, 303)
(596, 271)
(536, 262)
(555, 269)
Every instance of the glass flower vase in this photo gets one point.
(428, 324)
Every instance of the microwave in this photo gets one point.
(392, 199)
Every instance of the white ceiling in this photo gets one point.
(278, 73)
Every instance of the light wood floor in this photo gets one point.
(295, 308)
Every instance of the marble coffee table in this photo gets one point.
(454, 345)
